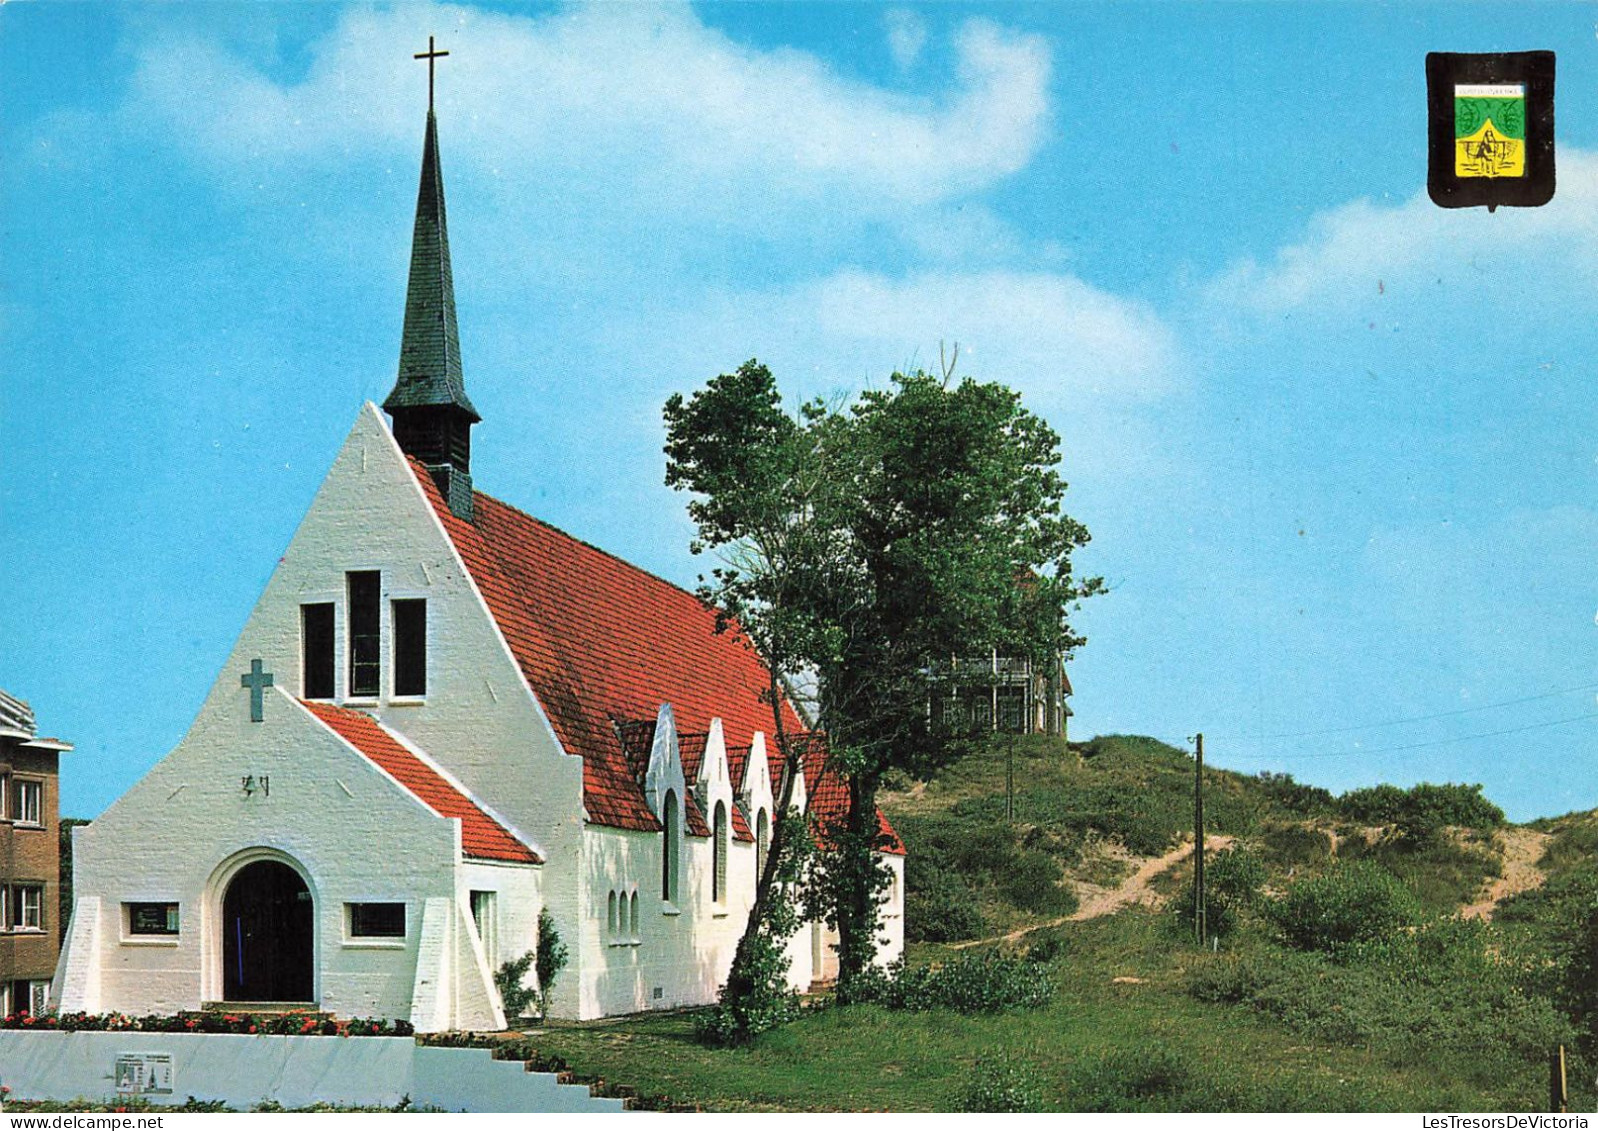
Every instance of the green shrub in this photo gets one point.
(551, 953)
(1443, 875)
(1045, 946)
(1152, 1078)
(1421, 813)
(517, 999)
(1373, 805)
(1447, 992)
(1034, 885)
(972, 983)
(1309, 800)
(1002, 1083)
(939, 905)
(1232, 881)
(1574, 845)
(1294, 845)
(1356, 902)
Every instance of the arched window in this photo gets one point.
(610, 919)
(633, 933)
(718, 887)
(670, 849)
(762, 843)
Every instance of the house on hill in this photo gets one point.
(441, 718)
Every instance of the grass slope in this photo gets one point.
(1141, 1019)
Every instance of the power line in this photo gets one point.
(1421, 745)
(1424, 718)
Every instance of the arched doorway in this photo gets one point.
(267, 935)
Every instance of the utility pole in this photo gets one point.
(1200, 924)
(1009, 779)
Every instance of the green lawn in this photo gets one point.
(865, 1058)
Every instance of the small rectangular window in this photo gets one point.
(25, 802)
(152, 918)
(28, 900)
(5, 797)
(377, 920)
(316, 650)
(366, 631)
(410, 647)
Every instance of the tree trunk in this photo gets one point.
(861, 880)
(740, 981)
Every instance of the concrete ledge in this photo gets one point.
(242, 1070)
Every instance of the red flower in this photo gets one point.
(252, 1028)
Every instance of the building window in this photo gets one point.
(718, 884)
(25, 910)
(316, 651)
(366, 631)
(762, 843)
(485, 914)
(5, 797)
(376, 920)
(410, 647)
(671, 847)
(610, 921)
(39, 998)
(26, 798)
(632, 902)
(152, 918)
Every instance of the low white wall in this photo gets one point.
(243, 1070)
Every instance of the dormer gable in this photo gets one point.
(665, 773)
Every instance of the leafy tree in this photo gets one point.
(860, 544)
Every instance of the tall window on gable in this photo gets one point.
(410, 647)
(671, 833)
(718, 886)
(762, 842)
(316, 650)
(366, 631)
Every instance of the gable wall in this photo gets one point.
(478, 720)
(355, 834)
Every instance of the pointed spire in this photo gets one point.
(430, 348)
(433, 417)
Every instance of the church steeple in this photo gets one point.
(432, 415)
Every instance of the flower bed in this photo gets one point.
(297, 1024)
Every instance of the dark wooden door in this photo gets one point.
(266, 944)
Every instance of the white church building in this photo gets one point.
(442, 717)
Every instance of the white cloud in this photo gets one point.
(1051, 333)
(641, 94)
(1359, 251)
(907, 35)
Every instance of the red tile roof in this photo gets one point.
(691, 750)
(828, 797)
(481, 835)
(694, 817)
(601, 641)
(737, 764)
(740, 825)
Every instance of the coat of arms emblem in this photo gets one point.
(1491, 129)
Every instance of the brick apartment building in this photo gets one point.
(30, 859)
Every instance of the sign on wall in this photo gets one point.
(144, 1073)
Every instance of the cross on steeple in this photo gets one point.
(257, 681)
(432, 57)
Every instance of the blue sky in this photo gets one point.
(1338, 448)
